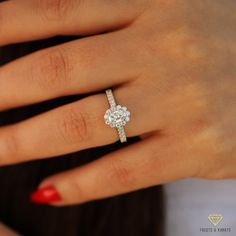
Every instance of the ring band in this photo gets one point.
(116, 116)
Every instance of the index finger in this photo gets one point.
(24, 20)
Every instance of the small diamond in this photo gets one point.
(117, 116)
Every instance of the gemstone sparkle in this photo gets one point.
(117, 116)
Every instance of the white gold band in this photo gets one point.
(122, 135)
(117, 116)
(110, 98)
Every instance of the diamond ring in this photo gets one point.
(116, 116)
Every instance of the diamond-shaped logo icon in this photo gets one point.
(215, 219)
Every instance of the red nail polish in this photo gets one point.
(45, 195)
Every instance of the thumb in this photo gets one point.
(5, 231)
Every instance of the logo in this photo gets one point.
(215, 219)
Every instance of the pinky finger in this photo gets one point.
(150, 162)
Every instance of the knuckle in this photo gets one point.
(215, 159)
(212, 168)
(13, 144)
(54, 10)
(223, 162)
(120, 174)
(187, 44)
(10, 150)
(79, 193)
(53, 68)
(75, 125)
(92, 55)
(184, 44)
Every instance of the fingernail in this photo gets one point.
(45, 195)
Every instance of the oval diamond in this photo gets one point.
(117, 116)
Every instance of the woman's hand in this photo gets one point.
(5, 231)
(172, 63)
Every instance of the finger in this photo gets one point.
(79, 66)
(5, 231)
(144, 164)
(23, 20)
(69, 128)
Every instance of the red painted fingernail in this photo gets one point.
(45, 195)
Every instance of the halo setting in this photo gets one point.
(117, 116)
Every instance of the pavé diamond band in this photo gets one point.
(116, 116)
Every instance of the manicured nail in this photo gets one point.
(46, 195)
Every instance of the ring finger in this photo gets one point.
(70, 128)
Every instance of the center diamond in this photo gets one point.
(117, 116)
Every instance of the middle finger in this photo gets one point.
(80, 66)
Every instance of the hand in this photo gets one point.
(5, 231)
(172, 63)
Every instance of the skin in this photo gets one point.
(172, 63)
(5, 231)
